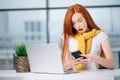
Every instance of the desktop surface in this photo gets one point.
(103, 74)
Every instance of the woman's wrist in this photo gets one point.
(67, 68)
(96, 59)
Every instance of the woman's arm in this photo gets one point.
(107, 62)
(68, 62)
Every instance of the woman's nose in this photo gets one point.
(77, 25)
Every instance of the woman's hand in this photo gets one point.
(89, 59)
(71, 63)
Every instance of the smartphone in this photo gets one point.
(77, 54)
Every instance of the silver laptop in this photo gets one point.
(45, 58)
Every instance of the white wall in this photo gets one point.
(54, 3)
(7, 4)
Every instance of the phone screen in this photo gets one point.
(77, 54)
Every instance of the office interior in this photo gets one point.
(41, 21)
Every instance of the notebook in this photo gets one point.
(45, 58)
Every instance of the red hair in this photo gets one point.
(68, 26)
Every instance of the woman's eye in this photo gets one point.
(80, 20)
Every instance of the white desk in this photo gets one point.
(83, 75)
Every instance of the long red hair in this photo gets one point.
(68, 28)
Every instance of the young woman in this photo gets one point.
(81, 33)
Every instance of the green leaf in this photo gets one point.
(20, 50)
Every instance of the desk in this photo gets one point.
(83, 75)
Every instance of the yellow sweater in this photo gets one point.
(84, 43)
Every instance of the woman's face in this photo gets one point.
(79, 23)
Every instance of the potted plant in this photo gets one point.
(21, 60)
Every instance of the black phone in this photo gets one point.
(77, 54)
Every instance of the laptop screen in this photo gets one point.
(44, 58)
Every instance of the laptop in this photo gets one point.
(45, 58)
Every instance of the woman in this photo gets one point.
(81, 33)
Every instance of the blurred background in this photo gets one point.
(41, 21)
